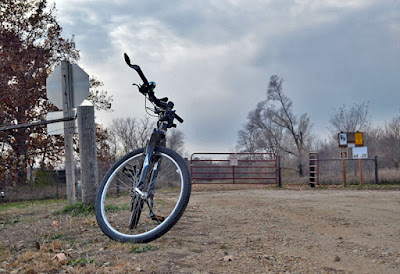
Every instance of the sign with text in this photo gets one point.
(351, 139)
(233, 160)
(360, 152)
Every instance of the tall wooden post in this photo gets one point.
(68, 130)
(344, 171)
(87, 151)
(361, 172)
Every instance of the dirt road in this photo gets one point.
(237, 231)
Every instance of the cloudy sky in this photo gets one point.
(213, 58)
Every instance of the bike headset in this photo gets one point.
(163, 107)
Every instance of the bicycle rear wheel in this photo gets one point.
(126, 214)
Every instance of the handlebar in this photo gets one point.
(148, 89)
(137, 68)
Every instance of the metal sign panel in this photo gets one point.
(54, 87)
(58, 128)
(360, 152)
(80, 85)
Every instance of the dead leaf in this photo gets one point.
(56, 223)
(61, 258)
(228, 258)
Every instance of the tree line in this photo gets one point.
(31, 46)
(273, 126)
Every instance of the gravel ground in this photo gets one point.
(223, 231)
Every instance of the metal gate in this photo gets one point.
(234, 168)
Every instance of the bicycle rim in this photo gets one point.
(129, 216)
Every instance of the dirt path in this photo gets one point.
(237, 231)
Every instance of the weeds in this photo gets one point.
(143, 249)
(62, 237)
(76, 210)
(81, 262)
(26, 204)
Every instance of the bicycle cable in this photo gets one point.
(148, 108)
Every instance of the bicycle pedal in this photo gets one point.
(158, 218)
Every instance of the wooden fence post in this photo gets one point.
(376, 170)
(344, 172)
(87, 151)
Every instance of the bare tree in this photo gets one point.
(350, 119)
(273, 126)
(248, 139)
(389, 144)
(175, 140)
(129, 133)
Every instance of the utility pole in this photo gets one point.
(67, 96)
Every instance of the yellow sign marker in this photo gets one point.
(358, 136)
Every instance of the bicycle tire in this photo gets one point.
(115, 197)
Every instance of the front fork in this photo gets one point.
(156, 161)
(150, 161)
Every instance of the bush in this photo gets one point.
(44, 177)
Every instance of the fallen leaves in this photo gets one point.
(60, 258)
(56, 224)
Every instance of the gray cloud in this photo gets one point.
(214, 58)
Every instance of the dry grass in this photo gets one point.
(264, 229)
(389, 176)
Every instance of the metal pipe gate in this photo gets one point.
(238, 168)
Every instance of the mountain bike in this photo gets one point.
(144, 194)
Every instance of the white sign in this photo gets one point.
(54, 87)
(342, 139)
(360, 152)
(58, 128)
(80, 86)
(233, 160)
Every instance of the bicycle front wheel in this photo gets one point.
(131, 211)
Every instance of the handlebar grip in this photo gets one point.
(137, 68)
(177, 117)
